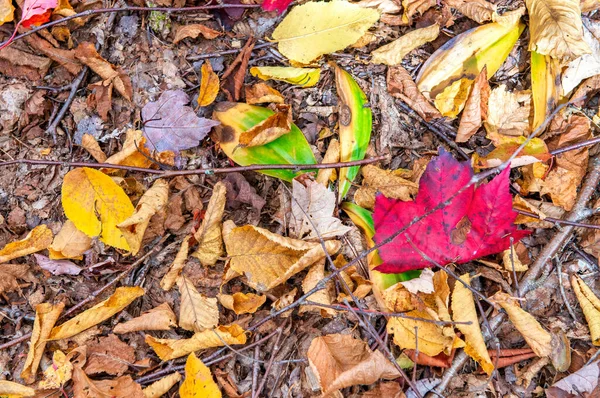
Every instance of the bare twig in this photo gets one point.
(561, 288)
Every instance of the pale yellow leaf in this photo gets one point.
(196, 312)
(37, 239)
(69, 243)
(451, 101)
(168, 281)
(331, 156)
(209, 85)
(7, 11)
(10, 389)
(392, 53)
(478, 10)
(160, 387)
(57, 374)
(208, 236)
(386, 182)
(198, 381)
(590, 304)
(511, 261)
(303, 77)
(161, 317)
(133, 153)
(242, 303)
(508, 113)
(316, 274)
(422, 284)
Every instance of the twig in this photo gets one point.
(226, 52)
(255, 369)
(561, 288)
(512, 263)
(74, 86)
(579, 145)
(276, 348)
(558, 220)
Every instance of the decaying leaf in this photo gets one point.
(508, 112)
(590, 304)
(123, 386)
(511, 261)
(198, 381)
(587, 65)
(331, 156)
(135, 153)
(242, 303)
(108, 354)
(582, 383)
(167, 349)
(262, 93)
(168, 281)
(534, 151)
(60, 372)
(209, 85)
(11, 389)
(209, 235)
(402, 86)
(193, 31)
(69, 242)
(9, 273)
(121, 298)
(387, 182)
(303, 77)
(161, 317)
(162, 386)
(37, 239)
(451, 101)
(269, 129)
(476, 108)
(414, 7)
(391, 54)
(7, 11)
(89, 143)
(233, 77)
(196, 312)
(478, 10)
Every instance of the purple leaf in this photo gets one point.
(57, 267)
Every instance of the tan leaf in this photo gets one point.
(193, 31)
(209, 85)
(162, 386)
(208, 236)
(37, 239)
(261, 93)
(89, 143)
(341, 361)
(285, 300)
(196, 312)
(511, 261)
(267, 259)
(402, 86)
(46, 315)
(60, 372)
(535, 335)
(556, 29)
(414, 7)
(133, 152)
(198, 381)
(463, 310)
(476, 108)
(167, 349)
(316, 274)
(242, 303)
(10, 389)
(109, 355)
(161, 317)
(359, 285)
(168, 281)
(387, 182)
(478, 10)
(384, 6)
(508, 112)
(121, 298)
(332, 155)
(590, 304)
(9, 273)
(392, 53)
(269, 129)
(422, 284)
(124, 386)
(388, 389)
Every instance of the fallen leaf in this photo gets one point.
(384, 6)
(65, 58)
(545, 87)
(96, 204)
(587, 65)
(161, 317)
(162, 386)
(168, 281)
(167, 349)
(37, 239)
(477, 222)
(123, 386)
(511, 261)
(7, 11)
(451, 101)
(171, 125)
(324, 176)
(209, 236)
(60, 372)
(120, 299)
(269, 129)
(284, 301)
(582, 383)
(476, 108)
(535, 150)
(267, 259)
(590, 304)
(303, 77)
(57, 267)
(9, 273)
(360, 286)
(87, 54)
(89, 143)
(134, 152)
(308, 31)
(193, 31)
(388, 389)
(556, 29)
(341, 361)
(36, 12)
(134, 227)
(109, 355)
(275, 5)
(233, 77)
(463, 310)
(240, 192)
(10, 389)
(401, 85)
(387, 182)
(46, 315)
(414, 7)
(424, 283)
(242, 303)
(392, 53)
(508, 112)
(209, 85)
(315, 274)
(198, 381)
(312, 212)
(261, 93)
(196, 312)
(478, 10)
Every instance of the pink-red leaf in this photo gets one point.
(279, 5)
(37, 12)
(477, 222)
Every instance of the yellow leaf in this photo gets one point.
(261, 93)
(46, 316)
(9, 389)
(171, 276)
(69, 243)
(242, 303)
(196, 312)
(88, 194)
(268, 259)
(7, 11)
(303, 77)
(309, 30)
(269, 129)
(556, 29)
(590, 304)
(121, 298)
(392, 54)
(511, 261)
(535, 335)
(534, 151)
(167, 349)
(162, 386)
(89, 143)
(56, 375)
(331, 156)
(161, 317)
(37, 239)
(209, 85)
(463, 310)
(209, 235)
(545, 86)
(198, 381)
(451, 101)
(133, 153)
(386, 182)
(134, 227)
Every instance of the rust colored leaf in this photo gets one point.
(475, 108)
(401, 85)
(195, 30)
(269, 129)
(261, 93)
(232, 80)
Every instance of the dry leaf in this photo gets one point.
(267, 259)
(478, 10)
(209, 236)
(315, 275)
(414, 7)
(476, 108)
(196, 312)
(162, 386)
(341, 361)
(451, 101)
(463, 310)
(134, 152)
(535, 335)
(389, 183)
(209, 85)
(511, 261)
(359, 285)
(109, 355)
(10, 389)
(37, 239)
(402, 86)
(392, 54)
(153, 201)
(89, 143)
(268, 130)
(46, 316)
(233, 78)
(60, 372)
(9, 273)
(168, 281)
(422, 284)
(161, 317)
(167, 349)
(508, 112)
(242, 303)
(388, 389)
(261, 93)
(193, 31)
(331, 156)
(124, 386)
(303, 77)
(121, 298)
(587, 65)
(198, 381)
(590, 304)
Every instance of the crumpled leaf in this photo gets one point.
(198, 381)
(242, 303)
(308, 31)
(341, 361)
(538, 339)
(478, 10)
(46, 315)
(267, 259)
(9, 273)
(37, 239)
(332, 155)
(477, 222)
(135, 153)
(269, 129)
(315, 274)
(167, 349)
(387, 182)
(303, 77)
(160, 317)
(582, 383)
(511, 261)
(424, 283)
(193, 31)
(69, 242)
(545, 87)
(590, 304)
(209, 85)
(36, 12)
(208, 236)
(359, 285)
(392, 53)
(233, 77)
(123, 386)
(108, 355)
(60, 372)
(96, 204)
(121, 298)
(134, 227)
(312, 212)
(556, 29)
(169, 124)
(508, 112)
(196, 312)
(463, 310)
(401, 85)
(162, 386)
(7, 11)
(587, 65)
(260, 93)
(240, 192)
(11, 389)
(168, 281)
(476, 108)
(414, 7)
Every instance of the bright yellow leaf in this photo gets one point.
(453, 98)
(393, 53)
(198, 381)
(209, 85)
(56, 375)
(303, 77)
(37, 239)
(9, 389)
(590, 304)
(545, 86)
(209, 235)
(7, 11)
(160, 387)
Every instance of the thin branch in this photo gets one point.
(556, 220)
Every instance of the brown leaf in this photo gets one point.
(109, 355)
(478, 10)
(209, 235)
(475, 108)
(401, 85)
(161, 317)
(261, 92)
(162, 386)
(386, 182)
(413, 7)
(233, 78)
(57, 267)
(65, 58)
(168, 281)
(240, 192)
(196, 312)
(209, 85)
(388, 389)
(9, 273)
(21, 64)
(37, 239)
(242, 303)
(193, 31)
(101, 97)
(392, 53)
(124, 386)
(269, 129)
(316, 274)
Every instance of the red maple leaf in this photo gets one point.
(279, 5)
(477, 222)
